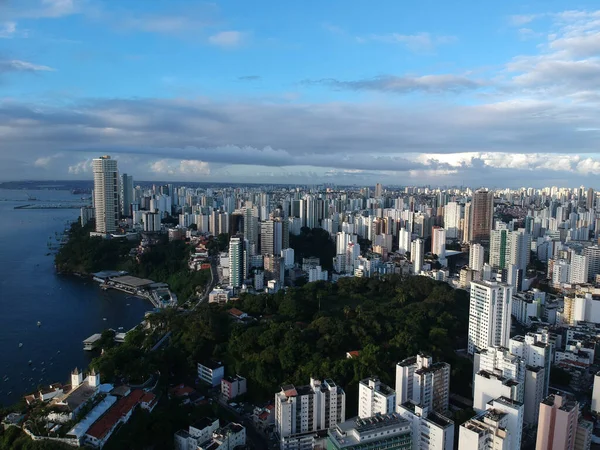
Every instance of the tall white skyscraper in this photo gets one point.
(579, 269)
(424, 382)
(452, 216)
(476, 257)
(302, 410)
(236, 262)
(106, 194)
(126, 197)
(438, 242)
(404, 240)
(417, 254)
(374, 397)
(489, 315)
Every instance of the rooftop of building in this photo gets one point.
(507, 402)
(133, 282)
(203, 423)
(432, 416)
(210, 364)
(354, 431)
(408, 361)
(435, 367)
(120, 409)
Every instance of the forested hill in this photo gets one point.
(307, 331)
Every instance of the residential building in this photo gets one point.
(482, 214)
(381, 432)
(106, 194)
(211, 372)
(514, 412)
(438, 242)
(557, 426)
(231, 387)
(579, 269)
(452, 216)
(476, 257)
(126, 197)
(303, 410)
(595, 405)
(424, 382)
(197, 434)
(374, 397)
(486, 431)
(417, 255)
(489, 315)
(404, 240)
(236, 262)
(430, 430)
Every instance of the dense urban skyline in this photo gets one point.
(302, 93)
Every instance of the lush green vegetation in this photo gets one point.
(307, 331)
(166, 261)
(15, 439)
(315, 242)
(85, 254)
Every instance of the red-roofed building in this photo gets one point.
(352, 354)
(148, 401)
(237, 314)
(264, 417)
(120, 412)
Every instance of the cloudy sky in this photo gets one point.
(502, 93)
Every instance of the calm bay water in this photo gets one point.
(69, 308)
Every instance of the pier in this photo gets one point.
(157, 293)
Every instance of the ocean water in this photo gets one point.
(69, 308)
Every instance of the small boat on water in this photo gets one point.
(104, 318)
(20, 344)
(29, 362)
(39, 324)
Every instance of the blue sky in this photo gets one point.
(398, 92)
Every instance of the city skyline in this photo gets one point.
(306, 93)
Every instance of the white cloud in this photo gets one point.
(81, 167)
(8, 30)
(184, 167)
(15, 65)
(227, 39)
(420, 42)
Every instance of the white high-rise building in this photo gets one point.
(302, 410)
(106, 194)
(424, 382)
(417, 254)
(476, 257)
(489, 315)
(438, 240)
(579, 269)
(452, 216)
(593, 254)
(374, 397)
(342, 240)
(497, 373)
(404, 240)
(499, 427)
(236, 262)
(595, 405)
(430, 430)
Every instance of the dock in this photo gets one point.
(92, 342)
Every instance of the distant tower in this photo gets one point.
(126, 197)
(106, 192)
(416, 255)
(76, 378)
(94, 379)
(482, 215)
